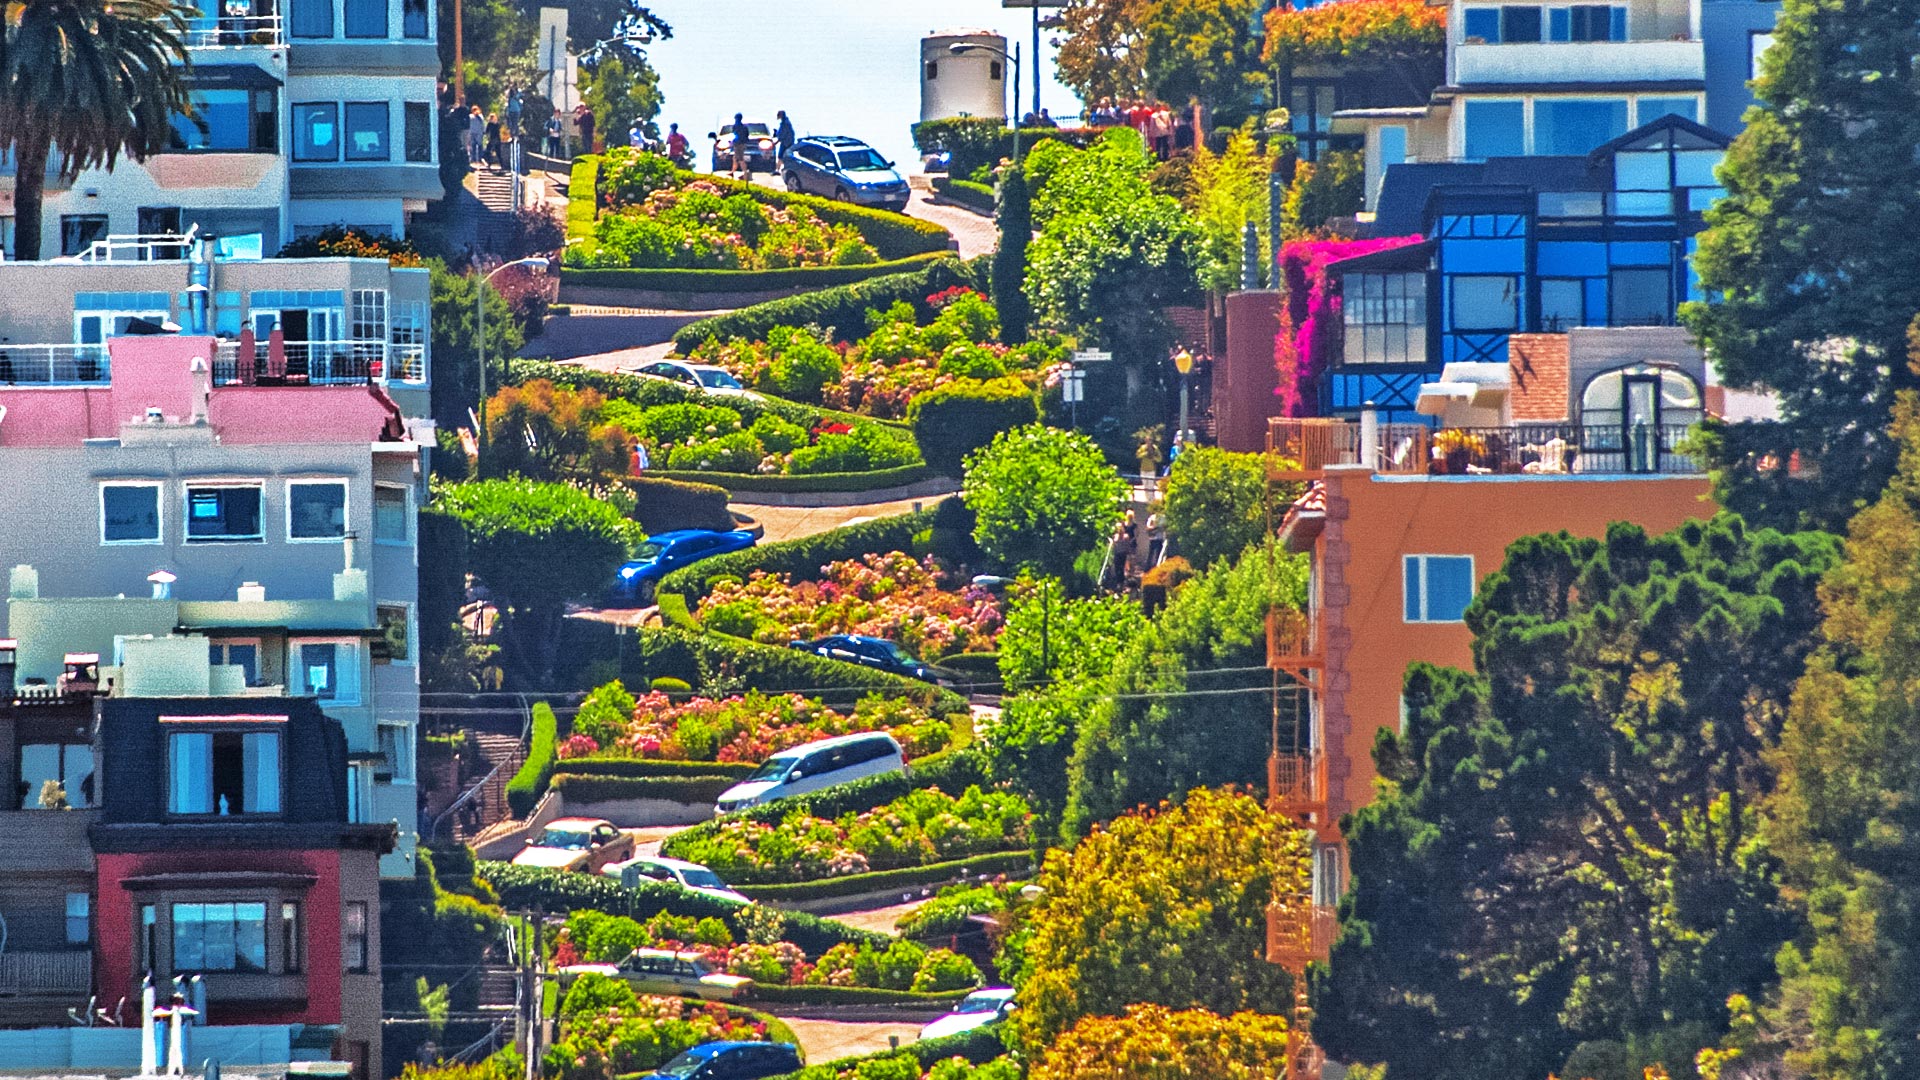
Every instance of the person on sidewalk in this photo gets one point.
(516, 107)
(476, 135)
(741, 139)
(555, 129)
(678, 149)
(496, 154)
(584, 117)
(783, 142)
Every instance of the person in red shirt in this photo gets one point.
(677, 147)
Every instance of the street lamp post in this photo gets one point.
(1013, 63)
(535, 262)
(1183, 363)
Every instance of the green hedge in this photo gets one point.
(527, 785)
(978, 1046)
(850, 995)
(844, 308)
(1003, 862)
(950, 422)
(774, 669)
(651, 392)
(810, 483)
(680, 789)
(980, 672)
(662, 505)
(635, 767)
(738, 281)
(558, 892)
(583, 197)
(675, 612)
(965, 192)
(803, 557)
(973, 141)
(952, 771)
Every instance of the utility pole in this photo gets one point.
(459, 58)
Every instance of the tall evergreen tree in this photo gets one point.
(1565, 849)
(1808, 262)
(1015, 217)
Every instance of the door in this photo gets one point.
(1640, 421)
(293, 322)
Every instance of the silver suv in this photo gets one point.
(844, 169)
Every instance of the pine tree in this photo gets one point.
(1010, 259)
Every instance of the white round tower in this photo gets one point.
(963, 84)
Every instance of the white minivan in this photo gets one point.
(815, 765)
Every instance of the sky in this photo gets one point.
(838, 67)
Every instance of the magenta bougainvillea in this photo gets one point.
(1310, 318)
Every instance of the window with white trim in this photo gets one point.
(129, 512)
(223, 512)
(395, 621)
(223, 773)
(1438, 587)
(316, 510)
(396, 746)
(392, 514)
(328, 670)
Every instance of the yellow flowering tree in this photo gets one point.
(1154, 1043)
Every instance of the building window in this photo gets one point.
(366, 18)
(414, 22)
(360, 792)
(993, 71)
(407, 362)
(316, 132)
(1484, 302)
(316, 510)
(367, 131)
(220, 937)
(55, 776)
(79, 231)
(369, 314)
(1562, 305)
(328, 670)
(312, 18)
(129, 513)
(290, 951)
(1439, 587)
(396, 746)
(418, 116)
(1758, 42)
(149, 938)
(933, 70)
(1640, 297)
(1566, 126)
(1386, 318)
(353, 940)
(396, 631)
(224, 512)
(79, 918)
(1653, 108)
(244, 655)
(1589, 22)
(226, 120)
(391, 514)
(223, 772)
(1495, 129)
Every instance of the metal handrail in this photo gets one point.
(488, 1042)
(467, 796)
(145, 245)
(54, 365)
(233, 31)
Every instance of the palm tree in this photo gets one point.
(91, 79)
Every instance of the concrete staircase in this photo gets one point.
(503, 755)
(495, 192)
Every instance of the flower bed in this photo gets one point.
(953, 907)
(924, 826)
(741, 728)
(879, 374)
(632, 1034)
(692, 437)
(889, 595)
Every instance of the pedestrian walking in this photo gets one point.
(496, 155)
(584, 117)
(783, 139)
(476, 135)
(741, 139)
(555, 128)
(636, 137)
(516, 107)
(678, 149)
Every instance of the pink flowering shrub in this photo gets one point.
(891, 596)
(744, 727)
(1310, 325)
(621, 1039)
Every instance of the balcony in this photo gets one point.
(233, 31)
(276, 362)
(1290, 645)
(45, 974)
(1300, 933)
(1546, 62)
(1303, 449)
(1297, 784)
(54, 365)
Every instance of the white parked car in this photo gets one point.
(705, 378)
(988, 1005)
(815, 765)
(673, 872)
(660, 971)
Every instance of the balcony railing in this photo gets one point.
(23, 973)
(250, 362)
(1300, 933)
(1290, 641)
(1480, 63)
(1303, 448)
(1296, 783)
(143, 247)
(233, 31)
(54, 365)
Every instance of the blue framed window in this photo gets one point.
(1653, 108)
(414, 22)
(311, 18)
(366, 18)
(1438, 587)
(1567, 126)
(368, 133)
(1483, 23)
(1519, 23)
(316, 132)
(1496, 129)
(1489, 302)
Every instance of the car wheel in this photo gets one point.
(644, 593)
(793, 180)
(840, 193)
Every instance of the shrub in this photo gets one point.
(593, 992)
(944, 969)
(670, 686)
(890, 596)
(683, 655)
(952, 421)
(662, 505)
(802, 364)
(950, 911)
(747, 728)
(1215, 503)
(801, 558)
(842, 308)
(736, 451)
(527, 785)
(777, 435)
(1042, 496)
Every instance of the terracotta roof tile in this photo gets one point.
(1538, 377)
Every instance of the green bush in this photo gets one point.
(911, 877)
(978, 1046)
(894, 236)
(1215, 504)
(803, 365)
(593, 992)
(950, 422)
(637, 395)
(778, 483)
(680, 789)
(734, 452)
(844, 309)
(662, 505)
(724, 281)
(976, 141)
(527, 785)
(801, 558)
(583, 198)
(777, 435)
(558, 892)
(773, 669)
(670, 686)
(967, 193)
(649, 767)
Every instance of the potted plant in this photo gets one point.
(1458, 448)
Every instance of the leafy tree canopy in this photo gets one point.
(1565, 846)
(1165, 50)
(555, 433)
(1406, 38)
(1149, 1042)
(456, 356)
(1216, 503)
(1041, 497)
(1230, 190)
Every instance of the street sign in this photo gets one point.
(1073, 387)
(1091, 356)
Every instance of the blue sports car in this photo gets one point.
(665, 552)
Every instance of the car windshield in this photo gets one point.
(686, 1064)
(648, 551)
(565, 838)
(981, 1003)
(703, 878)
(862, 158)
(714, 377)
(773, 769)
(895, 651)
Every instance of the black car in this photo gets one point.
(877, 653)
(845, 169)
(731, 1061)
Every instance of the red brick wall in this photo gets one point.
(1538, 374)
(1244, 378)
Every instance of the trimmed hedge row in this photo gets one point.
(950, 422)
(844, 308)
(1002, 862)
(952, 771)
(978, 1046)
(773, 669)
(850, 995)
(558, 892)
(802, 557)
(583, 197)
(894, 236)
(973, 196)
(728, 281)
(810, 483)
(972, 142)
(661, 504)
(650, 392)
(527, 785)
(637, 767)
(680, 789)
